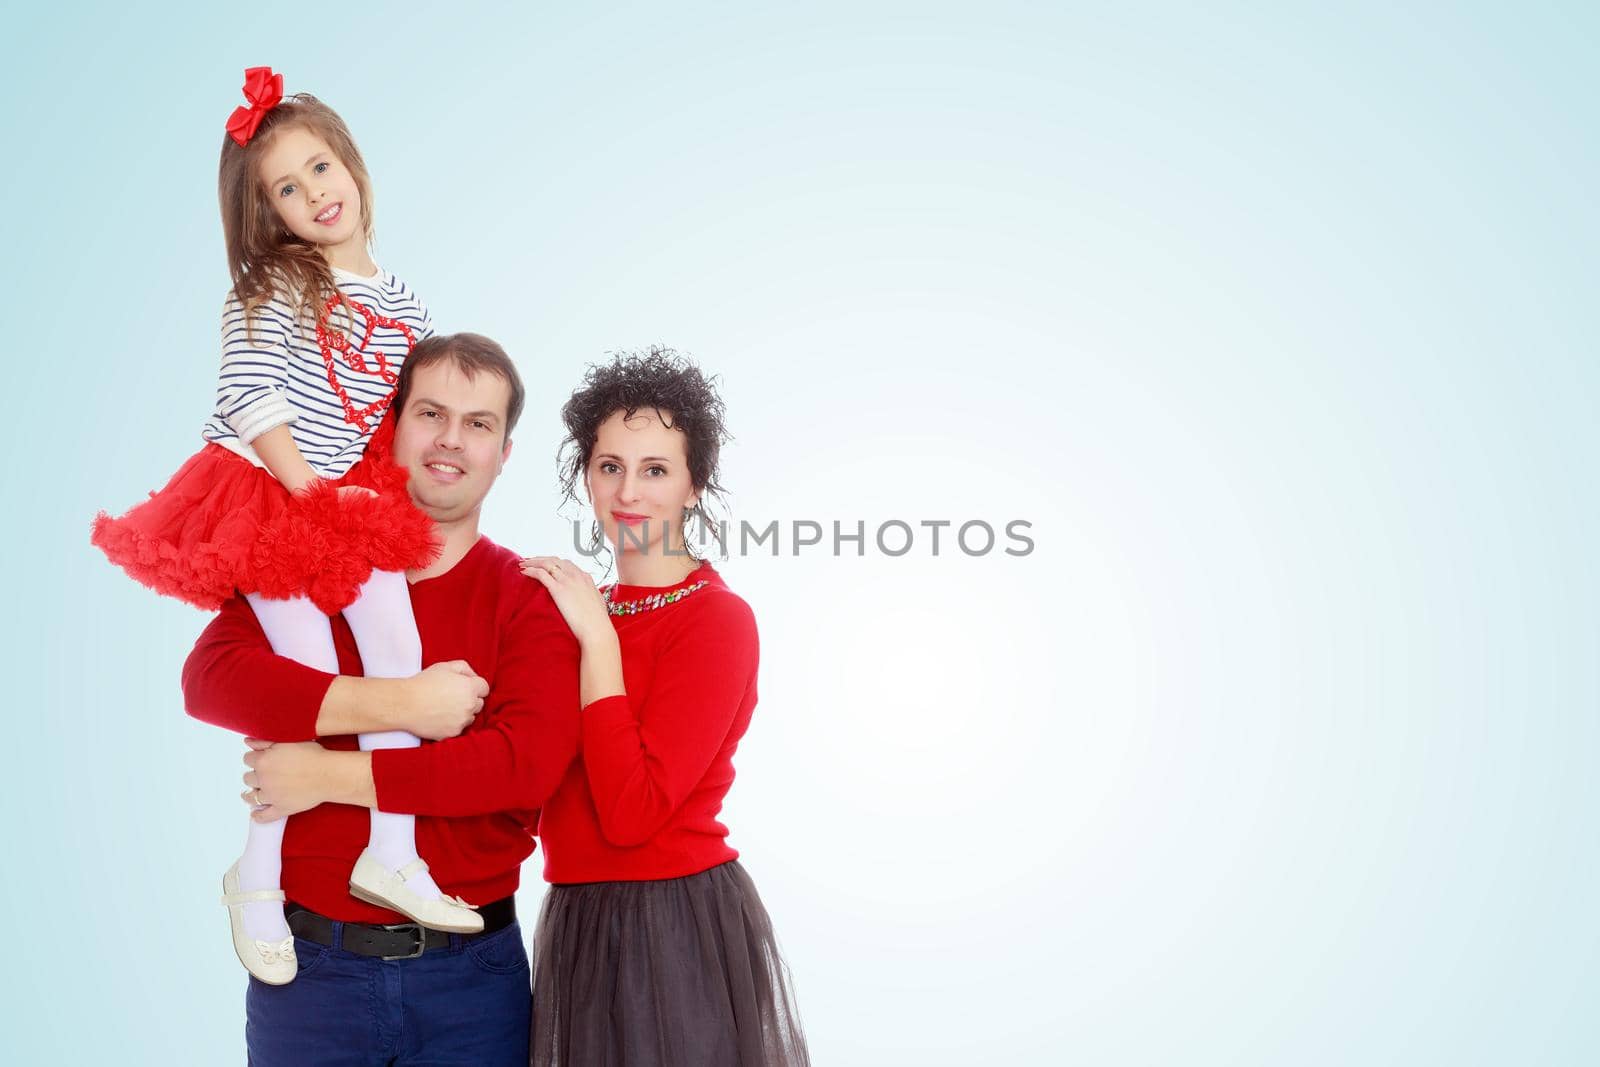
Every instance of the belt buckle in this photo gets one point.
(417, 931)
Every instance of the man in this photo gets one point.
(372, 988)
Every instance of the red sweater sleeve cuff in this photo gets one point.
(303, 694)
(608, 710)
(602, 719)
(279, 703)
(401, 780)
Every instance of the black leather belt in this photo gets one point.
(402, 941)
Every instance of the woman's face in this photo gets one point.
(638, 480)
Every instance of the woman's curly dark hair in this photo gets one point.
(656, 379)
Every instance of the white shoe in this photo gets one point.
(272, 962)
(376, 884)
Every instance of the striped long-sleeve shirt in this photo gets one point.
(273, 374)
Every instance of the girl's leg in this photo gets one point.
(297, 631)
(386, 634)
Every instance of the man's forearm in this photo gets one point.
(349, 779)
(356, 705)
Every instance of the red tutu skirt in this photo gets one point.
(224, 526)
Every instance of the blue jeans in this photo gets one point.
(468, 1004)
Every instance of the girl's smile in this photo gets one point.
(315, 197)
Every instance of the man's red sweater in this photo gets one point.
(643, 801)
(476, 796)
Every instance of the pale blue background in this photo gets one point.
(1277, 322)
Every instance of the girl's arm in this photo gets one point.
(252, 392)
(282, 456)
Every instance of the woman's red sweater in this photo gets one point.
(643, 799)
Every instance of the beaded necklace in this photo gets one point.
(330, 340)
(653, 601)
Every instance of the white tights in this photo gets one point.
(386, 636)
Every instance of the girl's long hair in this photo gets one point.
(264, 258)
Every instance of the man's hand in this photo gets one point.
(442, 700)
(286, 779)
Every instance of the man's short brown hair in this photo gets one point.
(472, 353)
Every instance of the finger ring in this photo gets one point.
(258, 799)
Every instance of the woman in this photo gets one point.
(653, 947)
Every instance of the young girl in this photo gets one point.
(653, 946)
(294, 501)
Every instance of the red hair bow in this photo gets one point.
(264, 90)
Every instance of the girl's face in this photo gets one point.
(313, 193)
(638, 479)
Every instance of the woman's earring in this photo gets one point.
(597, 545)
(688, 543)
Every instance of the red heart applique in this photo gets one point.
(330, 340)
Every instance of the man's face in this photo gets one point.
(451, 436)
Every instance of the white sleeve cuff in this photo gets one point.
(271, 411)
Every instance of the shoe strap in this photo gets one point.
(252, 896)
(415, 867)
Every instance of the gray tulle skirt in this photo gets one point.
(682, 972)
